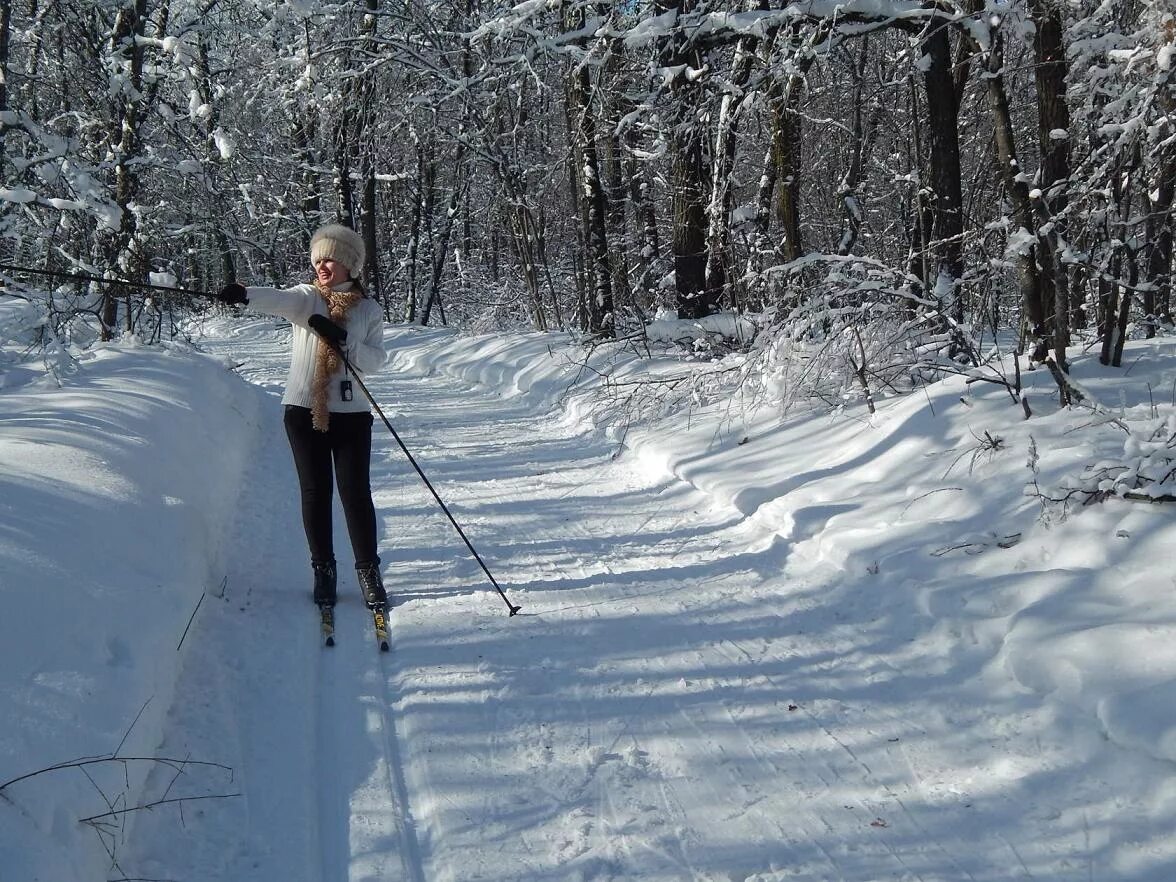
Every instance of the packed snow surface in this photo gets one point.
(754, 647)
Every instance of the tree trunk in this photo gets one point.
(689, 226)
(524, 239)
(862, 136)
(366, 99)
(1159, 227)
(718, 237)
(787, 132)
(943, 157)
(919, 215)
(688, 174)
(1033, 261)
(213, 161)
(441, 252)
(645, 242)
(1160, 221)
(599, 308)
(581, 264)
(617, 185)
(1053, 132)
(778, 195)
(414, 238)
(1124, 261)
(1018, 193)
(422, 211)
(304, 140)
(367, 228)
(616, 198)
(344, 193)
(5, 42)
(1119, 313)
(125, 45)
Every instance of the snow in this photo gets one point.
(224, 143)
(1020, 242)
(725, 325)
(19, 195)
(66, 204)
(108, 540)
(827, 646)
(1165, 55)
(743, 214)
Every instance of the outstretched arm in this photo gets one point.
(296, 304)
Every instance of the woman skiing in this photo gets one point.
(328, 422)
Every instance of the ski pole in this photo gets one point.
(82, 277)
(512, 607)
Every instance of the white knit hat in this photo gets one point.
(338, 243)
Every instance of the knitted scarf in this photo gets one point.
(327, 361)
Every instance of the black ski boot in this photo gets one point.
(371, 585)
(324, 582)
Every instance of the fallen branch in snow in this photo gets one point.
(1145, 471)
(108, 830)
(191, 618)
(85, 762)
(925, 495)
(978, 547)
(117, 813)
(1143, 497)
(219, 593)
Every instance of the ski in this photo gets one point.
(380, 621)
(327, 623)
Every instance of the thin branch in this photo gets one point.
(149, 805)
(80, 763)
(130, 728)
(191, 618)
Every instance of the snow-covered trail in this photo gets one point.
(680, 698)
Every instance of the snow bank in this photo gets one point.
(538, 366)
(115, 489)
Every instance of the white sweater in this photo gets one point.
(364, 323)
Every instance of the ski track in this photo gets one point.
(364, 818)
(658, 710)
(364, 827)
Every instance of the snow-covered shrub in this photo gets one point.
(860, 330)
(26, 335)
(1145, 469)
(20, 319)
(706, 338)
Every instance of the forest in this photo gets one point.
(773, 355)
(879, 185)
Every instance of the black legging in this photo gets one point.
(349, 443)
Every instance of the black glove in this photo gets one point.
(231, 294)
(328, 330)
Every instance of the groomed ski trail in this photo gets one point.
(670, 704)
(366, 830)
(311, 729)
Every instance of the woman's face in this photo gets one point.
(330, 272)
